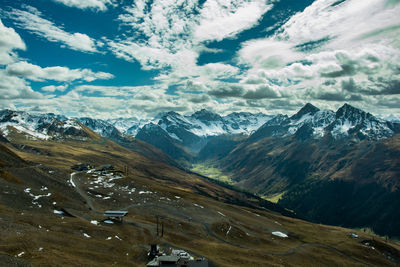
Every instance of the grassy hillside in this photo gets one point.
(52, 218)
(341, 183)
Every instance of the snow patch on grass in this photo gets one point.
(280, 234)
(71, 181)
(145, 192)
(60, 212)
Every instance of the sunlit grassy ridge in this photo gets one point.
(274, 198)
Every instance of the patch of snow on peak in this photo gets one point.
(342, 129)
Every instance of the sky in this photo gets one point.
(119, 58)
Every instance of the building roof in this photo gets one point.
(169, 259)
(115, 213)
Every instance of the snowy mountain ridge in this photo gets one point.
(40, 126)
(309, 121)
(204, 123)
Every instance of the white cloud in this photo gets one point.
(313, 55)
(87, 4)
(348, 24)
(32, 21)
(37, 73)
(139, 101)
(268, 53)
(222, 19)
(151, 57)
(172, 32)
(325, 54)
(219, 70)
(53, 88)
(12, 88)
(9, 41)
(111, 91)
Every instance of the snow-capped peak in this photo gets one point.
(360, 124)
(347, 121)
(205, 115)
(307, 109)
(39, 126)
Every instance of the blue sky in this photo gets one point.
(120, 58)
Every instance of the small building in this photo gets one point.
(115, 214)
(179, 258)
(81, 167)
(164, 260)
(106, 167)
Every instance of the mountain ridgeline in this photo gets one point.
(340, 168)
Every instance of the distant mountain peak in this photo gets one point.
(349, 111)
(206, 115)
(149, 126)
(172, 113)
(307, 109)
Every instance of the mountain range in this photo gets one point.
(192, 132)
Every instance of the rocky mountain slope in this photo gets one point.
(188, 135)
(184, 137)
(41, 127)
(311, 122)
(302, 158)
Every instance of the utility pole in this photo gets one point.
(162, 228)
(157, 226)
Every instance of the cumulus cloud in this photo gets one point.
(100, 5)
(326, 54)
(140, 101)
(345, 23)
(330, 52)
(267, 53)
(222, 19)
(53, 88)
(261, 92)
(37, 73)
(111, 91)
(33, 21)
(227, 90)
(12, 88)
(9, 41)
(197, 99)
(172, 32)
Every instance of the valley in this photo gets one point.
(286, 157)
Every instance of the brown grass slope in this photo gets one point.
(195, 213)
(341, 183)
(272, 165)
